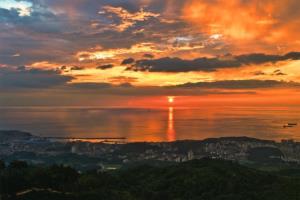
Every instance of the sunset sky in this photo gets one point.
(140, 52)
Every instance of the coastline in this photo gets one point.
(16, 145)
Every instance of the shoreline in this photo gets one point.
(125, 140)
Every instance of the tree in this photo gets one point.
(2, 165)
(18, 165)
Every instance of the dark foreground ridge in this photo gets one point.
(198, 179)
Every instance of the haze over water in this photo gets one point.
(159, 124)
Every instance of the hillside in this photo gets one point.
(199, 179)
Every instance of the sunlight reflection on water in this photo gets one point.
(164, 124)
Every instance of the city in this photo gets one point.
(87, 155)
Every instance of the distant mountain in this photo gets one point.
(14, 135)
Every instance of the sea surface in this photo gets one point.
(154, 124)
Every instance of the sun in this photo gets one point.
(170, 99)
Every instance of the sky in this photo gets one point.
(140, 52)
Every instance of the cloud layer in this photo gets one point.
(269, 22)
(31, 78)
(205, 64)
(149, 47)
(241, 84)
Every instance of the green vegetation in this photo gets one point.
(199, 179)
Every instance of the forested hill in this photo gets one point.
(199, 179)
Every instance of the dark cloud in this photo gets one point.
(126, 85)
(90, 86)
(127, 61)
(77, 68)
(168, 64)
(278, 72)
(21, 68)
(41, 36)
(259, 73)
(108, 88)
(259, 58)
(63, 67)
(31, 78)
(104, 67)
(205, 64)
(148, 55)
(240, 84)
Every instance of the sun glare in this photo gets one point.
(170, 99)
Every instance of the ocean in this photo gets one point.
(154, 124)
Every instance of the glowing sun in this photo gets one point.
(170, 99)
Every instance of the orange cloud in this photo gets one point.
(128, 19)
(112, 53)
(269, 22)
